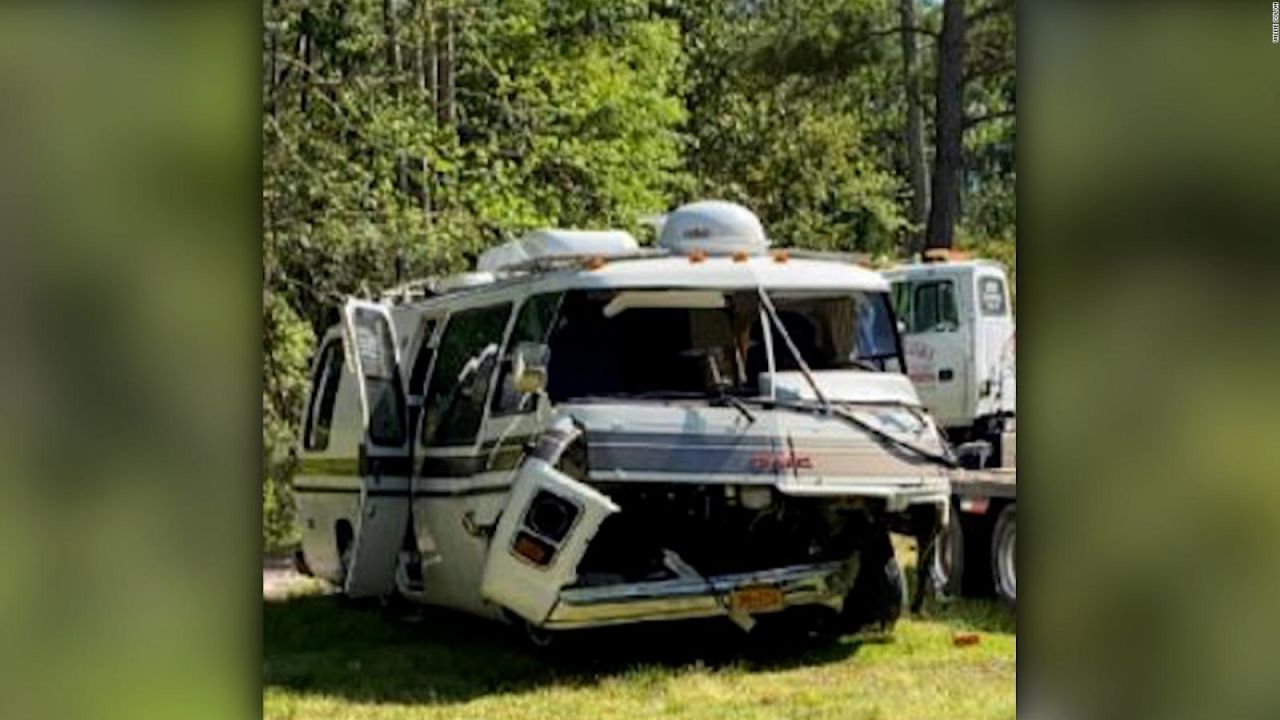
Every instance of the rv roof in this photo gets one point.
(675, 271)
(728, 273)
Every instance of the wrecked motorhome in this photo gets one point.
(585, 432)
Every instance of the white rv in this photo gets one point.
(585, 432)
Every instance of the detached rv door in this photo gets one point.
(384, 454)
(541, 536)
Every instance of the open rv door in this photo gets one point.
(540, 538)
(384, 465)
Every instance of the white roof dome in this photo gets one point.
(715, 227)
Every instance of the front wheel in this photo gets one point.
(1004, 571)
(880, 591)
(946, 562)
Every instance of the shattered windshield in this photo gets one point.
(672, 343)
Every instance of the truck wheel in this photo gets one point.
(880, 591)
(344, 540)
(946, 565)
(1004, 570)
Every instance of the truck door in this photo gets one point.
(384, 453)
(936, 345)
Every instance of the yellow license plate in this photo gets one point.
(760, 598)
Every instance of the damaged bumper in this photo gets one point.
(897, 496)
(727, 523)
(690, 598)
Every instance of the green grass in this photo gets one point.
(323, 659)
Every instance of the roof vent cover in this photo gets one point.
(715, 227)
(552, 244)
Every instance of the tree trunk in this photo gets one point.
(917, 171)
(948, 166)
(447, 111)
(273, 67)
(419, 47)
(433, 51)
(424, 194)
(393, 41)
(425, 39)
(304, 55)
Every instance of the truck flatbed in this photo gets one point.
(989, 483)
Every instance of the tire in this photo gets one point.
(880, 591)
(344, 543)
(946, 564)
(344, 563)
(1004, 570)
(300, 565)
(538, 640)
(969, 550)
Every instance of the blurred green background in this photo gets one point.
(1148, 355)
(128, 435)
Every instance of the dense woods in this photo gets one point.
(402, 137)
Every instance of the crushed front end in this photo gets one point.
(692, 512)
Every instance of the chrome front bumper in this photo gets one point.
(688, 598)
(897, 496)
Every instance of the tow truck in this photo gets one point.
(957, 327)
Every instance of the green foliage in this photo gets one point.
(287, 343)
(988, 221)
(784, 118)
(559, 114)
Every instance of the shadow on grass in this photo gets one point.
(315, 644)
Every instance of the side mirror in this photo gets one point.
(529, 367)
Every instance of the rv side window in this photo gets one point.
(375, 342)
(324, 390)
(533, 324)
(933, 307)
(465, 363)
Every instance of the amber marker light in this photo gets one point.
(697, 256)
(781, 256)
(740, 256)
(531, 549)
(595, 262)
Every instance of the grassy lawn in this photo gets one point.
(322, 659)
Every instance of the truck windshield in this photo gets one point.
(717, 347)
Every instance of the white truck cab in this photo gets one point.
(958, 337)
(585, 432)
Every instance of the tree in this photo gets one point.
(962, 73)
(786, 116)
(913, 132)
(403, 137)
(949, 110)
